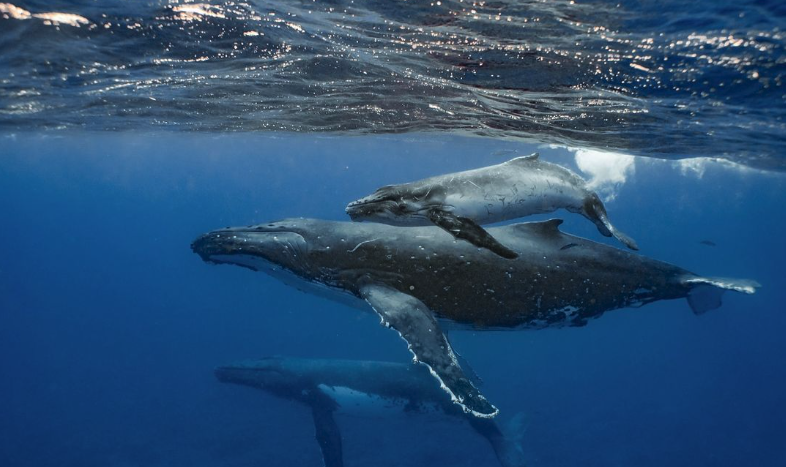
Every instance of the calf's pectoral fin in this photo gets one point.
(466, 229)
(418, 327)
(596, 212)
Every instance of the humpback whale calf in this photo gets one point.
(459, 202)
(358, 387)
(411, 277)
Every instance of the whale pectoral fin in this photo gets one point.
(469, 371)
(506, 446)
(417, 325)
(466, 229)
(328, 436)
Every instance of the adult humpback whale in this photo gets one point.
(412, 276)
(458, 202)
(358, 387)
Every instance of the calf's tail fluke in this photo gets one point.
(595, 211)
(626, 240)
(706, 292)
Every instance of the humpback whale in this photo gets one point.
(459, 202)
(411, 277)
(358, 387)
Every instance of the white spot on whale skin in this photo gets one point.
(361, 243)
(357, 402)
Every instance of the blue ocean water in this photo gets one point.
(127, 129)
(111, 326)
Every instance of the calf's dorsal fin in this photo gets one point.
(532, 157)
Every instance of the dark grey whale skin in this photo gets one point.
(408, 387)
(412, 275)
(458, 281)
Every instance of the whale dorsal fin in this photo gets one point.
(532, 157)
(543, 228)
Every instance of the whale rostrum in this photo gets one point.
(460, 202)
(413, 278)
(360, 388)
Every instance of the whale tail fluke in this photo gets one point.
(706, 292)
(595, 211)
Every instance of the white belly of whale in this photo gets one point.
(517, 197)
(353, 402)
(487, 211)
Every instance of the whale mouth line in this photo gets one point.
(255, 243)
(215, 258)
(370, 204)
(363, 202)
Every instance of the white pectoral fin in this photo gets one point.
(417, 325)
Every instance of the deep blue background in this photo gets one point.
(110, 327)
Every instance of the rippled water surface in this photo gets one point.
(657, 78)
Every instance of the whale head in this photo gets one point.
(268, 374)
(394, 205)
(307, 254)
(273, 247)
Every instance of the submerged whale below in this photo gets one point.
(458, 202)
(411, 277)
(358, 388)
